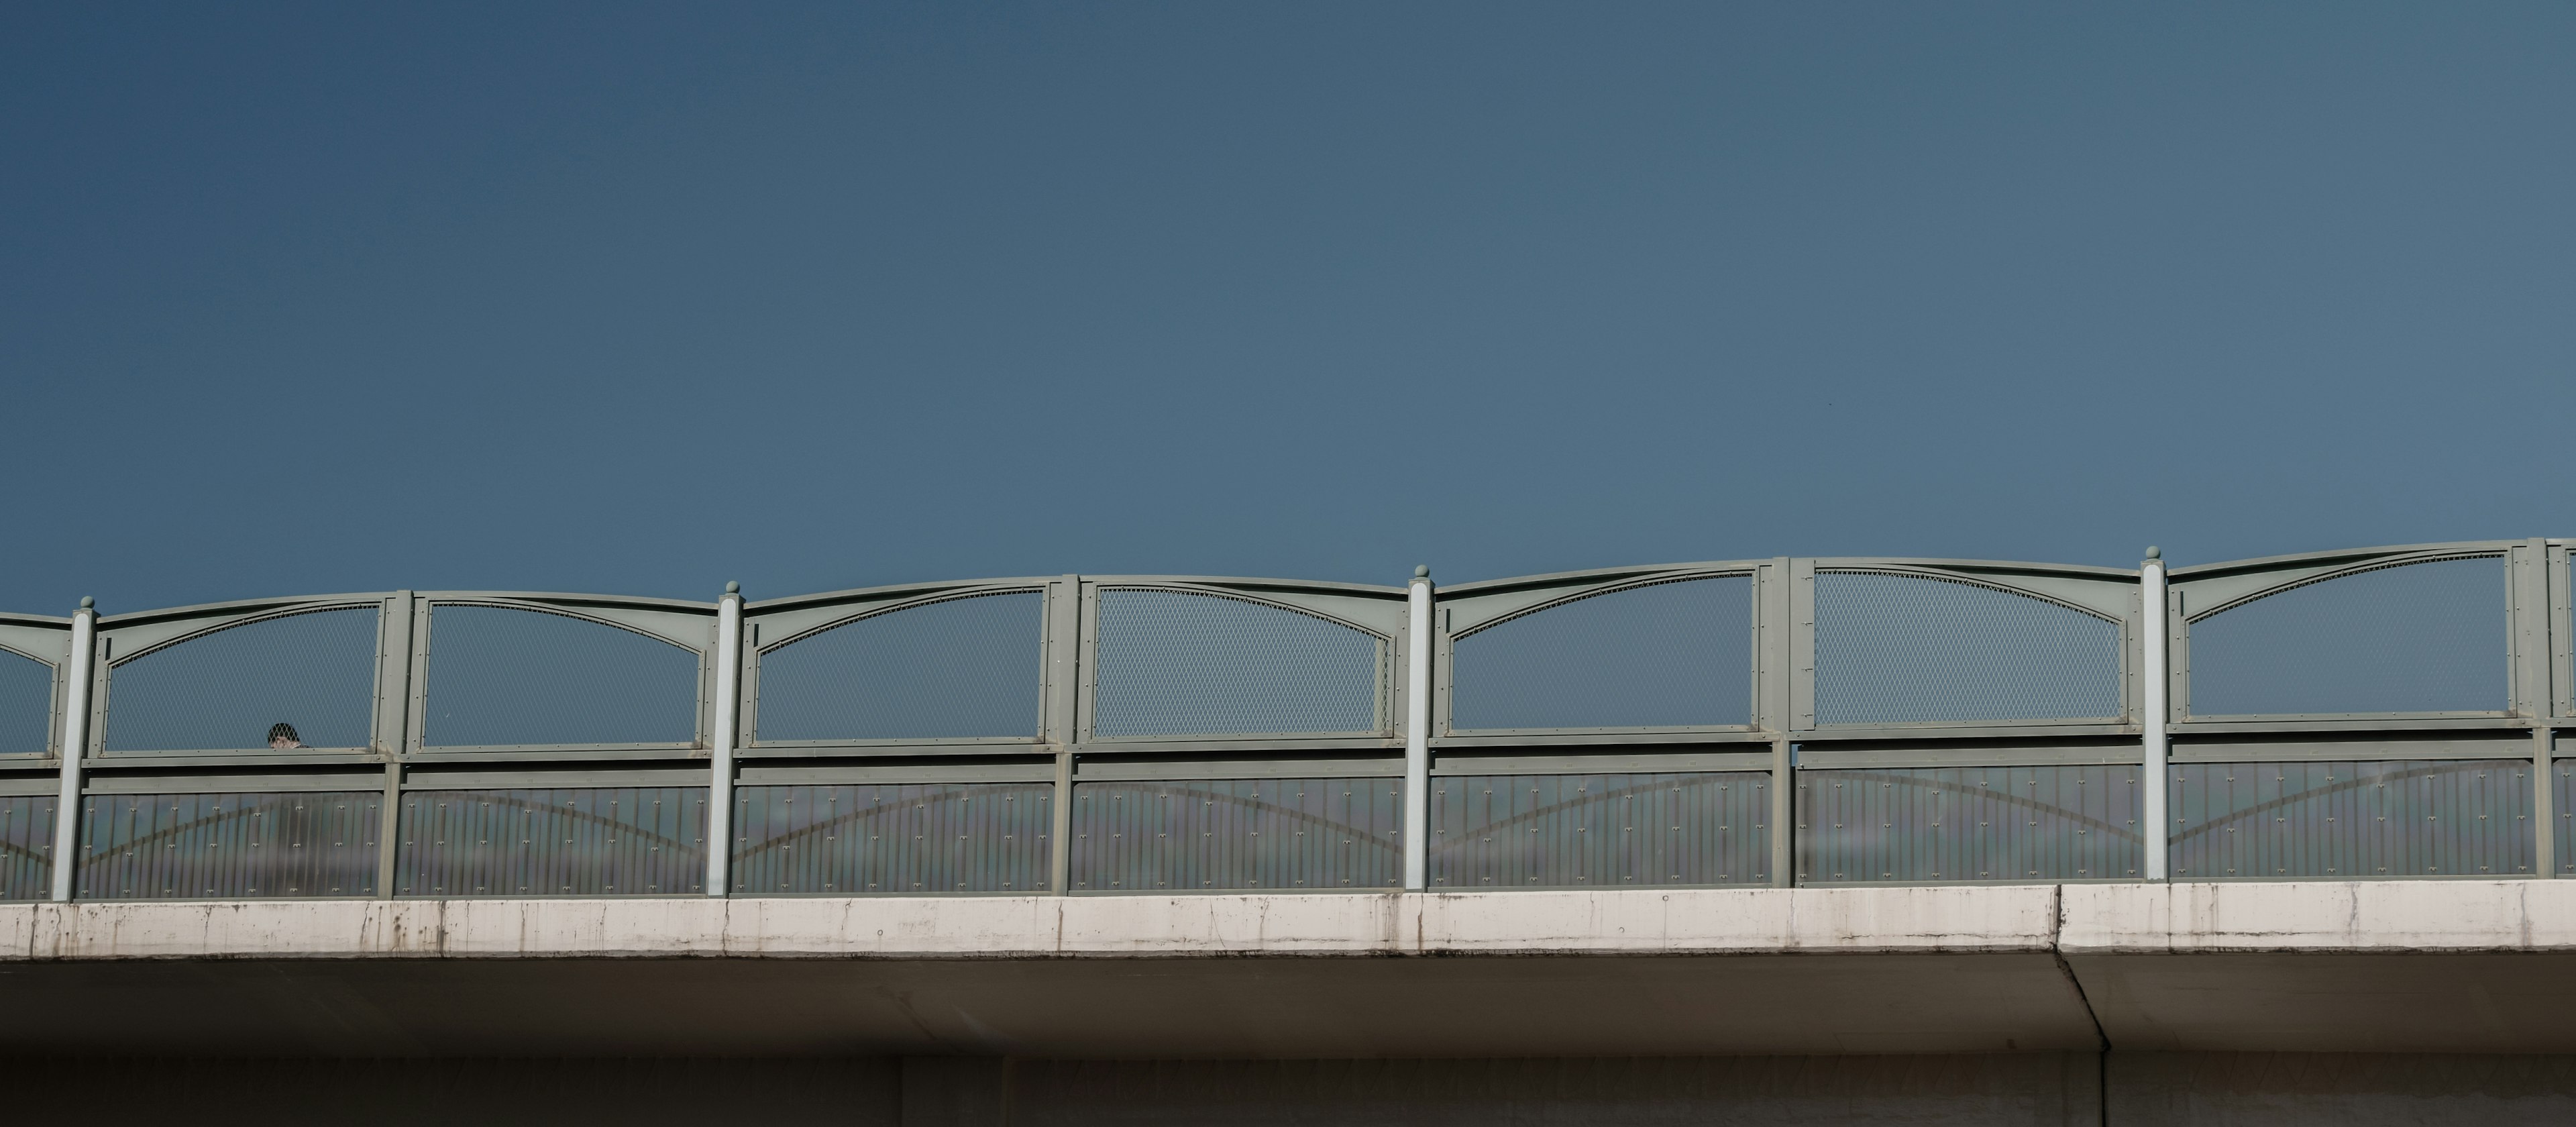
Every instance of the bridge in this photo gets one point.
(1780, 840)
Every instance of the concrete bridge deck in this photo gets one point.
(2394, 966)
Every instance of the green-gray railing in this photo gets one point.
(2368, 714)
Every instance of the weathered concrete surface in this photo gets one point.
(2348, 917)
(2422, 966)
(2381, 966)
(1693, 921)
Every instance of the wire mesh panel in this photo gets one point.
(26, 847)
(299, 680)
(1536, 831)
(945, 670)
(2426, 637)
(1677, 654)
(1243, 833)
(1895, 649)
(500, 676)
(1175, 663)
(26, 704)
(1941, 824)
(592, 841)
(2384, 818)
(262, 846)
(892, 838)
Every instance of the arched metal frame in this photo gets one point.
(47, 642)
(1783, 642)
(1462, 611)
(772, 625)
(2533, 568)
(1378, 612)
(678, 622)
(1782, 743)
(129, 637)
(402, 649)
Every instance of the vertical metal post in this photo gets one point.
(2153, 684)
(77, 675)
(1059, 720)
(1784, 814)
(392, 739)
(728, 659)
(1418, 641)
(2544, 803)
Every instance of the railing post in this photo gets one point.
(728, 660)
(76, 680)
(1063, 692)
(2153, 683)
(1417, 730)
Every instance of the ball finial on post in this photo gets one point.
(88, 603)
(733, 587)
(2155, 553)
(1422, 571)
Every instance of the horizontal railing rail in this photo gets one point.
(2378, 713)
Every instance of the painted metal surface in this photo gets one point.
(26, 704)
(26, 846)
(2352, 819)
(590, 841)
(1287, 834)
(1941, 676)
(948, 669)
(1579, 831)
(501, 676)
(299, 680)
(2414, 637)
(262, 846)
(1174, 663)
(1670, 653)
(1901, 649)
(1930, 825)
(892, 838)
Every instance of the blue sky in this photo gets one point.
(639, 299)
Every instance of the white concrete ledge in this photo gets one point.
(2093, 919)
(2353, 916)
(1691, 921)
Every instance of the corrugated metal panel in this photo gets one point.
(1172, 663)
(892, 838)
(963, 667)
(314, 672)
(1567, 830)
(1671, 654)
(502, 675)
(2266, 821)
(2426, 637)
(1941, 824)
(26, 847)
(1894, 649)
(602, 841)
(1237, 833)
(255, 846)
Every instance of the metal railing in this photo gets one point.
(2365, 714)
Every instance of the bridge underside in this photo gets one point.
(2014, 1089)
(1298, 1007)
(2350, 1003)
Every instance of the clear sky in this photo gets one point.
(638, 299)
